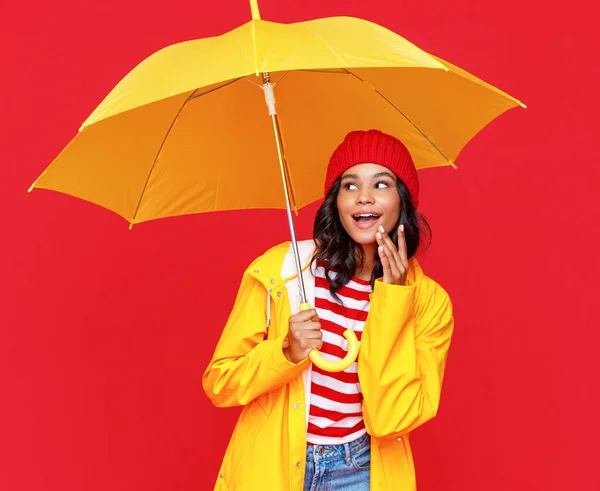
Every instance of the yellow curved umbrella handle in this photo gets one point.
(335, 366)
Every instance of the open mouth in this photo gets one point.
(366, 218)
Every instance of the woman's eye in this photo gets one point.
(351, 186)
(381, 185)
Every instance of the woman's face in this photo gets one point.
(368, 197)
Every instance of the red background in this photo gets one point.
(106, 332)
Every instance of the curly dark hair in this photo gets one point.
(336, 249)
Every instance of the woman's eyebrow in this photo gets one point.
(383, 174)
(375, 176)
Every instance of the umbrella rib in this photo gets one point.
(162, 144)
(212, 90)
(403, 115)
(281, 78)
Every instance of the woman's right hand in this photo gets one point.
(304, 335)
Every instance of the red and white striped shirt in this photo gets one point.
(335, 414)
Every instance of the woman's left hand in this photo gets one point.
(393, 260)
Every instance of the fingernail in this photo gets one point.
(381, 229)
(378, 235)
(401, 227)
(380, 248)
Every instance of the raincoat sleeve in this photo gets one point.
(245, 364)
(403, 355)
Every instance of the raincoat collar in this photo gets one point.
(274, 268)
(277, 266)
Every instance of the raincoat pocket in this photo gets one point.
(396, 454)
(242, 442)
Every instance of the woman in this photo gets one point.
(305, 429)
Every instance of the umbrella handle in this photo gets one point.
(335, 366)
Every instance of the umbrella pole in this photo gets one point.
(270, 99)
(315, 356)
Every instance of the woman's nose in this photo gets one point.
(365, 198)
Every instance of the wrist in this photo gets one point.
(286, 353)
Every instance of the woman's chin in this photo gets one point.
(364, 238)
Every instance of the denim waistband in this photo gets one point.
(342, 451)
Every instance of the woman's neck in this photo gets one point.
(365, 269)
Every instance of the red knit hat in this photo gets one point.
(375, 147)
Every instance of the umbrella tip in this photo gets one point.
(34, 183)
(254, 9)
(131, 224)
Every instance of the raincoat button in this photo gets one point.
(298, 464)
(221, 476)
(279, 294)
(270, 290)
(256, 271)
(272, 282)
(296, 406)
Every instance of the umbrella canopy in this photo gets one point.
(187, 131)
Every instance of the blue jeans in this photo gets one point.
(346, 467)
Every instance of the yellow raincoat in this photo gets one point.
(400, 367)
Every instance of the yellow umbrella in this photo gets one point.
(186, 130)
